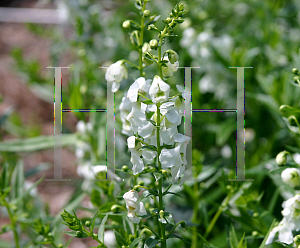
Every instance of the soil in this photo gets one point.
(15, 93)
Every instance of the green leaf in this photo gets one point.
(35, 144)
(73, 234)
(241, 243)
(95, 198)
(178, 237)
(152, 242)
(128, 225)
(157, 175)
(262, 245)
(148, 102)
(101, 229)
(93, 221)
(17, 180)
(294, 129)
(233, 241)
(135, 242)
(169, 218)
(171, 193)
(120, 240)
(148, 148)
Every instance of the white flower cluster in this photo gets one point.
(290, 221)
(139, 116)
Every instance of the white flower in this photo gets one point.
(290, 221)
(83, 127)
(291, 176)
(88, 171)
(33, 192)
(138, 121)
(137, 162)
(115, 73)
(159, 90)
(139, 86)
(188, 36)
(169, 69)
(110, 239)
(134, 206)
(125, 108)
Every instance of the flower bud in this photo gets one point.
(136, 187)
(297, 240)
(87, 223)
(126, 24)
(173, 56)
(168, 20)
(146, 13)
(254, 233)
(152, 27)
(164, 172)
(114, 208)
(50, 234)
(296, 79)
(125, 168)
(141, 183)
(46, 240)
(255, 215)
(295, 71)
(60, 246)
(291, 176)
(281, 158)
(161, 214)
(153, 44)
(78, 233)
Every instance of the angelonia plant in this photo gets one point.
(150, 117)
(290, 176)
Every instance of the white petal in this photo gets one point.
(133, 92)
(138, 164)
(172, 116)
(131, 142)
(142, 210)
(115, 86)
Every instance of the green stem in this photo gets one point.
(128, 62)
(160, 193)
(195, 218)
(13, 224)
(159, 51)
(141, 41)
(214, 220)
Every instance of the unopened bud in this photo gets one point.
(126, 24)
(60, 246)
(46, 240)
(297, 240)
(114, 208)
(136, 187)
(125, 168)
(255, 214)
(168, 20)
(164, 172)
(78, 233)
(146, 13)
(254, 233)
(281, 158)
(161, 214)
(153, 44)
(141, 183)
(87, 223)
(295, 71)
(296, 79)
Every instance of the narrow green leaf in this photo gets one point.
(262, 245)
(178, 237)
(135, 242)
(101, 229)
(152, 242)
(120, 240)
(93, 221)
(233, 241)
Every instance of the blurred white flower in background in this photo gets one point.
(110, 239)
